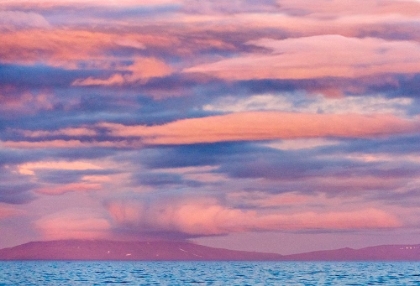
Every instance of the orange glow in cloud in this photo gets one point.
(144, 68)
(264, 126)
(57, 49)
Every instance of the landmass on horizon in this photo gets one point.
(186, 251)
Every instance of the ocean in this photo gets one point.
(207, 273)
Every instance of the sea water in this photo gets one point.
(208, 273)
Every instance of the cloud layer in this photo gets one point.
(178, 119)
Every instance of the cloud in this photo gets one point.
(340, 170)
(15, 193)
(66, 188)
(167, 117)
(72, 3)
(360, 219)
(94, 48)
(131, 43)
(73, 223)
(263, 200)
(66, 144)
(116, 79)
(367, 104)
(381, 19)
(6, 212)
(204, 216)
(30, 168)
(56, 47)
(97, 49)
(17, 20)
(229, 8)
(314, 57)
(339, 8)
(312, 104)
(15, 101)
(70, 131)
(297, 144)
(140, 71)
(240, 126)
(248, 126)
(160, 179)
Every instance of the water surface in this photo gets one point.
(208, 273)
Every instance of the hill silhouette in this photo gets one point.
(182, 250)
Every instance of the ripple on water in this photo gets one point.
(33, 273)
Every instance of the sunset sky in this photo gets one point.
(274, 125)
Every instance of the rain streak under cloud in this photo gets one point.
(255, 125)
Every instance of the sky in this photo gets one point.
(276, 125)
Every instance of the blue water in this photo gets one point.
(208, 273)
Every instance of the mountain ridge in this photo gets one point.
(125, 250)
(187, 251)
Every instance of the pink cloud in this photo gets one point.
(31, 167)
(56, 47)
(264, 126)
(144, 68)
(241, 126)
(302, 22)
(18, 19)
(140, 71)
(316, 57)
(6, 211)
(208, 217)
(94, 47)
(13, 101)
(337, 8)
(59, 3)
(116, 79)
(190, 216)
(79, 224)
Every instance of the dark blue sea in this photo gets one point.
(208, 273)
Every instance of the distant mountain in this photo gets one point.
(181, 250)
(124, 250)
(374, 253)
